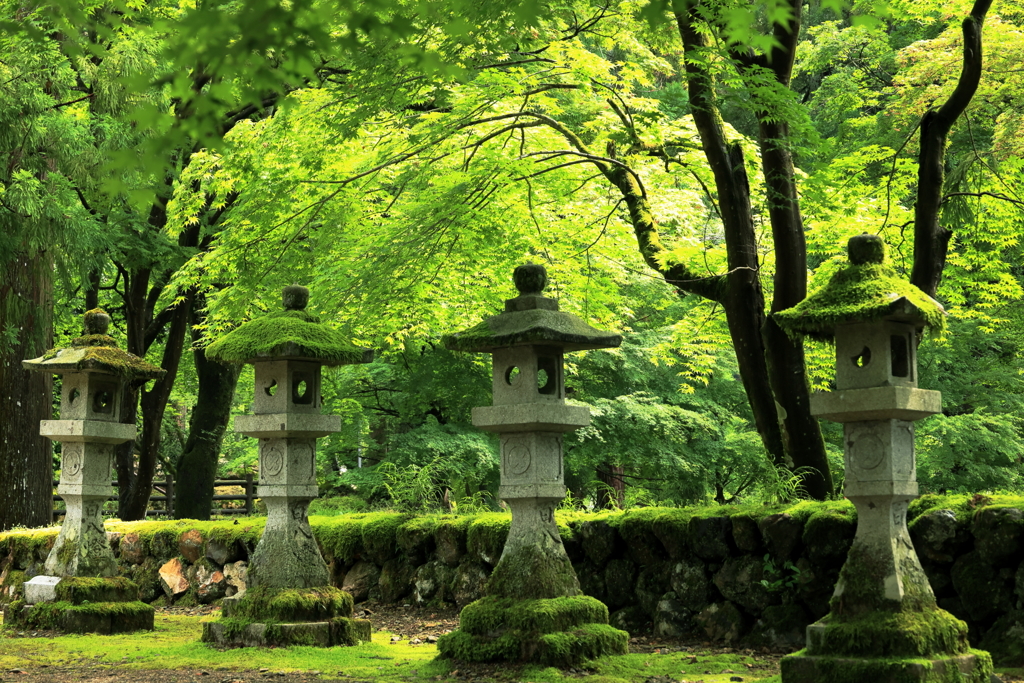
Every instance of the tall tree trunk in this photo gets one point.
(197, 468)
(26, 459)
(614, 495)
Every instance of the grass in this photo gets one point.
(174, 645)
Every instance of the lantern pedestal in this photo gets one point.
(883, 624)
(533, 610)
(290, 600)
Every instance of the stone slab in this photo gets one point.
(531, 417)
(876, 403)
(970, 668)
(283, 425)
(90, 431)
(41, 589)
(340, 631)
(867, 489)
(265, 491)
(554, 492)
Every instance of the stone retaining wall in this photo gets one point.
(755, 576)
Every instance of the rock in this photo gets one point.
(631, 619)
(815, 586)
(172, 576)
(113, 540)
(40, 589)
(722, 621)
(780, 628)
(132, 549)
(212, 585)
(619, 581)
(450, 540)
(982, 588)
(591, 581)
(997, 532)
(739, 580)
(710, 537)
(746, 534)
(671, 618)
(433, 582)
(470, 583)
(237, 576)
(690, 583)
(600, 541)
(147, 577)
(671, 530)
(1005, 640)
(651, 584)
(163, 545)
(828, 535)
(360, 580)
(416, 542)
(221, 552)
(782, 534)
(933, 534)
(396, 579)
(644, 547)
(190, 545)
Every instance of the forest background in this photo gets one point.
(681, 168)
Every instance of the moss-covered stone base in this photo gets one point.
(87, 617)
(929, 633)
(973, 667)
(265, 617)
(233, 632)
(561, 632)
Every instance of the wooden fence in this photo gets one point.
(163, 492)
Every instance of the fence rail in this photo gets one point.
(163, 492)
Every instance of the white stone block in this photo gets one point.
(41, 589)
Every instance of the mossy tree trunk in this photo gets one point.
(197, 469)
(26, 458)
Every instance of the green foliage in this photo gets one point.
(970, 452)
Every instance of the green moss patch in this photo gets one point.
(803, 668)
(927, 634)
(292, 333)
(537, 326)
(495, 615)
(82, 589)
(288, 605)
(530, 573)
(859, 292)
(97, 617)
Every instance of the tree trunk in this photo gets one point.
(26, 459)
(197, 469)
(613, 495)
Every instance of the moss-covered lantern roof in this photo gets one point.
(291, 334)
(95, 351)
(866, 290)
(531, 319)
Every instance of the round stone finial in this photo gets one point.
(295, 297)
(530, 278)
(96, 321)
(866, 248)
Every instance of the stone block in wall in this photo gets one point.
(651, 583)
(620, 575)
(600, 541)
(450, 541)
(222, 551)
(470, 582)
(671, 530)
(781, 628)
(396, 579)
(132, 549)
(1005, 640)
(379, 538)
(671, 618)
(722, 622)
(710, 537)
(984, 589)
(360, 579)
(739, 581)
(146, 576)
(190, 545)
(172, 576)
(415, 541)
(642, 545)
(783, 536)
(237, 576)
(211, 585)
(433, 583)
(934, 535)
(485, 539)
(828, 536)
(689, 581)
(745, 534)
(815, 585)
(632, 619)
(997, 532)
(163, 545)
(591, 580)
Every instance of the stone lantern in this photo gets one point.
(883, 623)
(527, 343)
(287, 350)
(94, 372)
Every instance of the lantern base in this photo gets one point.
(559, 632)
(88, 604)
(973, 667)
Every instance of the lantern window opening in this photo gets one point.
(863, 358)
(103, 401)
(513, 375)
(547, 375)
(900, 357)
(271, 388)
(302, 388)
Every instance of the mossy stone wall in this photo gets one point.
(754, 575)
